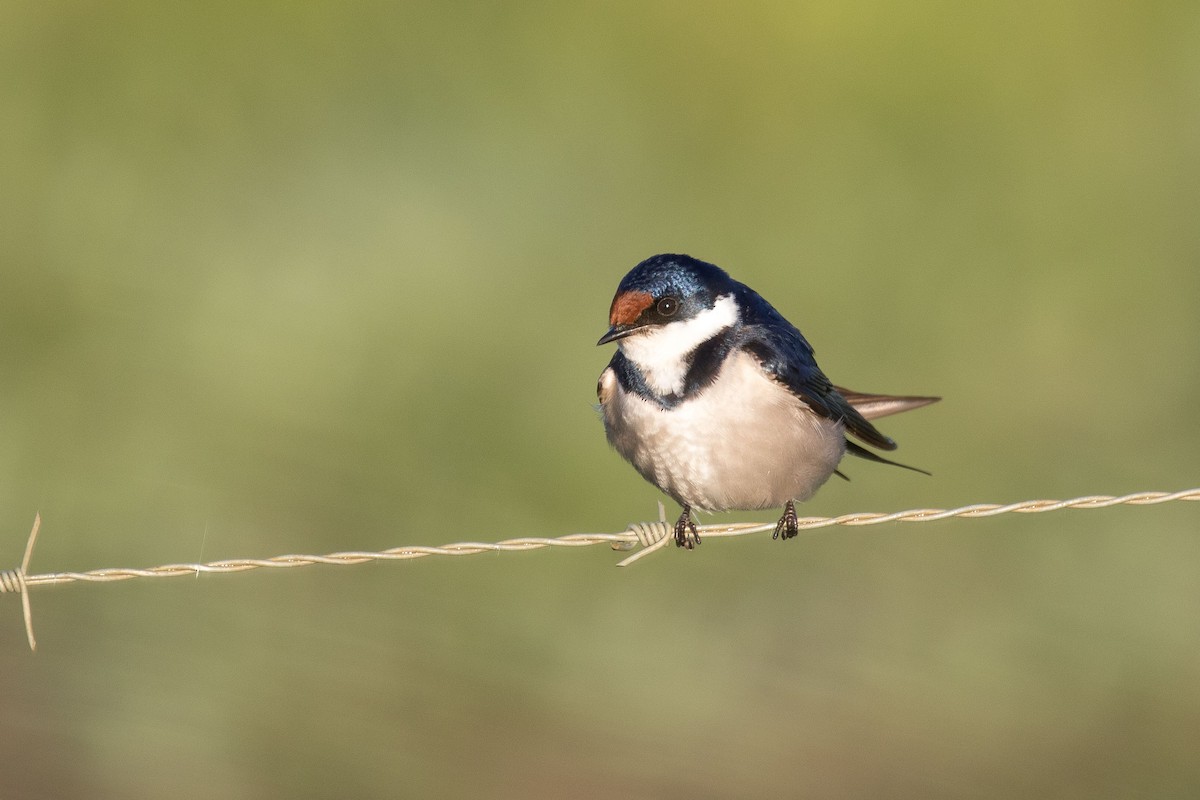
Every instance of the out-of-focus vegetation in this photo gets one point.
(285, 277)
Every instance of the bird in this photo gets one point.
(716, 399)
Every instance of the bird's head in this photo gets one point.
(675, 301)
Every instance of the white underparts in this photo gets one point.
(744, 442)
(661, 353)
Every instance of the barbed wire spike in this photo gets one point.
(652, 536)
(15, 580)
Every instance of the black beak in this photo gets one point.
(617, 332)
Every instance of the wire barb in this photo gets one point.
(652, 536)
(15, 580)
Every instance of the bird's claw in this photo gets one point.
(789, 524)
(686, 535)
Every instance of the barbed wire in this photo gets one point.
(651, 536)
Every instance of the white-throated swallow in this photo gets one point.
(717, 400)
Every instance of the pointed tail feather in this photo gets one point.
(862, 452)
(873, 406)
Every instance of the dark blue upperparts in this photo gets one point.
(696, 283)
(677, 274)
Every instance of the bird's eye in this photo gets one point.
(668, 306)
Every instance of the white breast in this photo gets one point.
(744, 442)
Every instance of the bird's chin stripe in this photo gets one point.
(664, 354)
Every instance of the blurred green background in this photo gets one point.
(308, 277)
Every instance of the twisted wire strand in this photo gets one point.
(651, 536)
(111, 574)
(12, 580)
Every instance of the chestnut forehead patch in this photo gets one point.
(628, 306)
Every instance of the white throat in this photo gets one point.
(661, 353)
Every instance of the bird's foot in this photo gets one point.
(686, 534)
(788, 525)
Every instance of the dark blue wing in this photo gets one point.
(787, 357)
